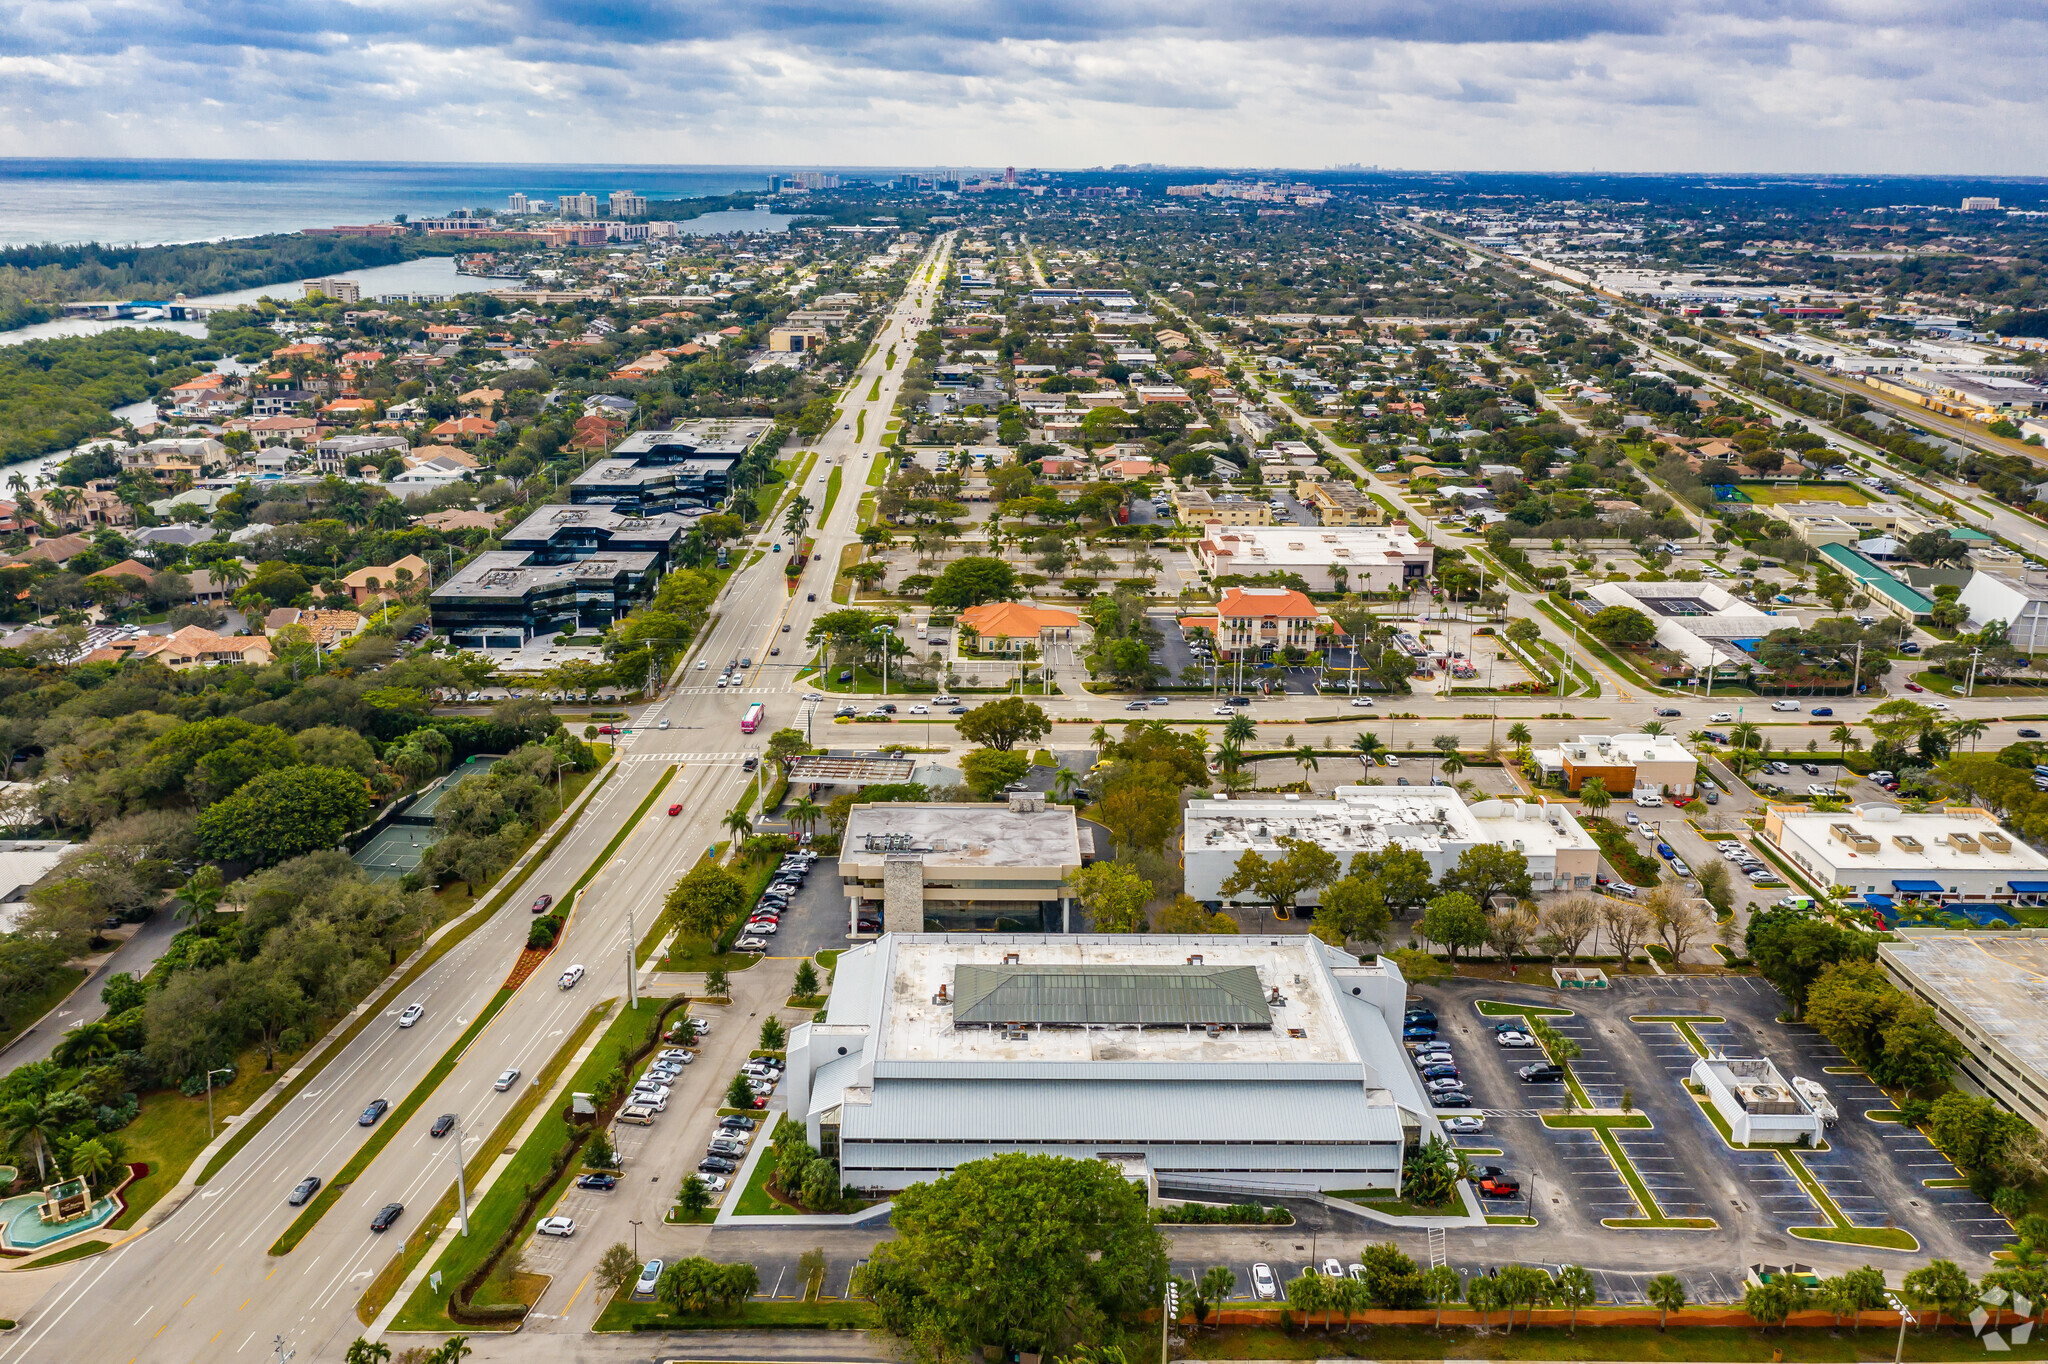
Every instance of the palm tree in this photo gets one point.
(1958, 730)
(229, 573)
(806, 813)
(1240, 729)
(737, 823)
(1454, 763)
(198, 897)
(86, 1043)
(1519, 736)
(17, 484)
(1063, 783)
(92, 1159)
(1666, 1293)
(1368, 747)
(1654, 727)
(34, 1122)
(1306, 756)
(1594, 797)
(1741, 735)
(1445, 745)
(1099, 737)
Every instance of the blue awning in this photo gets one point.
(2028, 887)
(1876, 901)
(1919, 887)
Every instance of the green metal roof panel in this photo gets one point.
(1877, 579)
(1110, 995)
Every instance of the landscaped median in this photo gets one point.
(529, 1184)
(1603, 1126)
(456, 932)
(387, 1128)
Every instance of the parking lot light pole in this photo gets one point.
(636, 1237)
(1905, 1319)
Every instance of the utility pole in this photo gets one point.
(209, 1097)
(1856, 672)
(1970, 688)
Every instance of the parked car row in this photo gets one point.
(1752, 866)
(766, 919)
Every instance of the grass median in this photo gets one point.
(379, 1293)
(491, 1215)
(831, 1315)
(440, 948)
(331, 1192)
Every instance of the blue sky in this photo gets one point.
(1767, 85)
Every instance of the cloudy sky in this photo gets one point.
(1938, 86)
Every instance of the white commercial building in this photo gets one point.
(967, 866)
(1701, 623)
(1883, 853)
(1328, 558)
(1199, 1062)
(1432, 820)
(2020, 600)
(1756, 1102)
(1624, 763)
(1991, 991)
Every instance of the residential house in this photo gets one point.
(197, 647)
(325, 628)
(458, 518)
(375, 583)
(464, 429)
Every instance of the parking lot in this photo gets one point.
(1874, 1172)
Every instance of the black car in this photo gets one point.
(1452, 1100)
(1486, 1171)
(377, 1109)
(715, 1165)
(957, 710)
(443, 1125)
(304, 1190)
(1667, 711)
(386, 1215)
(2030, 734)
(1541, 1073)
(810, 596)
(1238, 701)
(736, 1123)
(598, 1179)
(1414, 1016)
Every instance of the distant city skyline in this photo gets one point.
(1566, 85)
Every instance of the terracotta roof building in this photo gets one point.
(1007, 626)
(1258, 621)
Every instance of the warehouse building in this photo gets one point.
(1957, 857)
(1210, 1061)
(1991, 991)
(1432, 820)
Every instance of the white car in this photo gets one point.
(1466, 1125)
(1361, 703)
(1389, 760)
(1938, 705)
(557, 1226)
(1721, 717)
(1223, 710)
(920, 709)
(1819, 791)
(647, 1087)
(676, 1054)
(702, 664)
(413, 1013)
(713, 1183)
(505, 1079)
(1514, 1039)
(752, 944)
(1264, 1286)
(570, 977)
(664, 724)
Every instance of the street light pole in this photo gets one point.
(636, 1237)
(461, 1180)
(225, 1070)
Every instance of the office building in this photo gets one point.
(1988, 989)
(650, 472)
(626, 204)
(338, 290)
(1327, 558)
(1000, 867)
(1191, 1063)
(1624, 763)
(505, 598)
(555, 534)
(1959, 856)
(1197, 507)
(1434, 821)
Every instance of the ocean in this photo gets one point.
(153, 202)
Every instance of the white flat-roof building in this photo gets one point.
(1623, 762)
(1991, 991)
(1756, 1102)
(971, 866)
(1703, 624)
(1434, 821)
(1328, 558)
(1883, 853)
(1235, 1059)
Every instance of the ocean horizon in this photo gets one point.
(152, 202)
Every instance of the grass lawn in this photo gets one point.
(1494, 1008)
(1883, 1238)
(753, 1200)
(1621, 852)
(1493, 1221)
(77, 1252)
(170, 1132)
(831, 492)
(702, 954)
(833, 1315)
(1377, 1200)
(492, 1213)
(62, 982)
(1770, 494)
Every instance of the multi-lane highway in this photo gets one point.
(201, 1285)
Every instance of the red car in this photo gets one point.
(543, 904)
(1914, 686)
(607, 729)
(1499, 1186)
(676, 809)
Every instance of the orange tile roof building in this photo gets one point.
(1259, 621)
(1007, 626)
